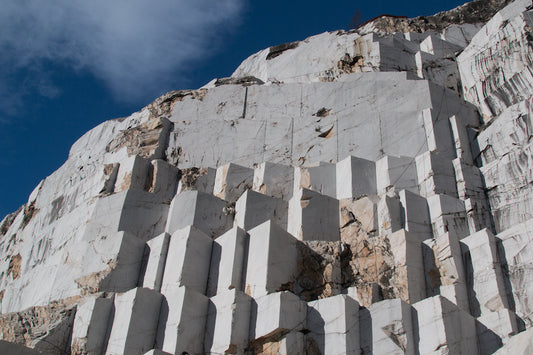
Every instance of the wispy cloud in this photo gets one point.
(132, 45)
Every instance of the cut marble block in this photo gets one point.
(157, 257)
(278, 313)
(138, 212)
(444, 329)
(319, 178)
(182, 321)
(254, 208)
(416, 218)
(188, 260)
(229, 268)
(469, 180)
(389, 215)
(478, 214)
(484, 273)
(231, 181)
(387, 328)
(204, 211)
(272, 259)
(409, 273)
(449, 263)
(313, 216)
(91, 325)
(135, 322)
(274, 180)
(228, 321)
(355, 177)
(435, 175)
(200, 179)
(438, 47)
(122, 250)
(333, 323)
(396, 173)
(448, 215)
(461, 140)
(495, 329)
(162, 179)
(132, 174)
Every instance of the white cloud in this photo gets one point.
(132, 45)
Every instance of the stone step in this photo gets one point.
(272, 259)
(135, 322)
(444, 328)
(355, 177)
(91, 324)
(484, 273)
(448, 215)
(231, 181)
(228, 262)
(157, 250)
(435, 175)
(182, 321)
(386, 327)
(333, 325)
(253, 209)
(313, 216)
(275, 315)
(228, 321)
(445, 273)
(275, 180)
(489, 301)
(188, 260)
(320, 178)
(408, 279)
(204, 211)
(415, 213)
(395, 174)
(123, 253)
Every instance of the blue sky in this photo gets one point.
(68, 65)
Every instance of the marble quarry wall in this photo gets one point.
(360, 192)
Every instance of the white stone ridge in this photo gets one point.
(335, 195)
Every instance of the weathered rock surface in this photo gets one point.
(356, 192)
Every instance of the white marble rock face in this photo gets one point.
(363, 191)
